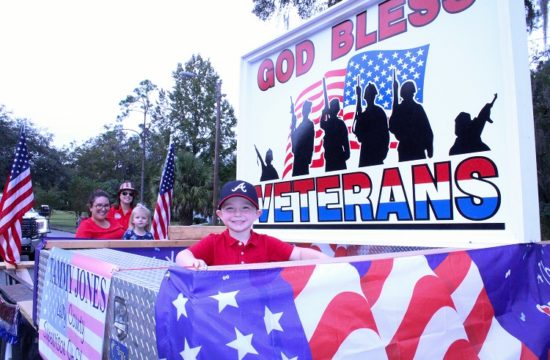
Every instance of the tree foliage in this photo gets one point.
(540, 83)
(193, 188)
(265, 9)
(48, 165)
(188, 113)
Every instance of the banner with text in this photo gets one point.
(74, 306)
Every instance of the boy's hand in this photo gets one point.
(186, 259)
(199, 264)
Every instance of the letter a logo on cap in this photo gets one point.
(241, 187)
(238, 188)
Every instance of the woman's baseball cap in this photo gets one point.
(238, 188)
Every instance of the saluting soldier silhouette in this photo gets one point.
(302, 138)
(371, 128)
(268, 170)
(410, 125)
(468, 131)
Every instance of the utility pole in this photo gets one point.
(143, 153)
(215, 178)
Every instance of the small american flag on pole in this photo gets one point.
(161, 217)
(17, 199)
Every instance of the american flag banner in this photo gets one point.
(17, 199)
(161, 217)
(491, 303)
(377, 67)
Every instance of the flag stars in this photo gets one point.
(188, 352)
(272, 321)
(179, 303)
(226, 299)
(243, 344)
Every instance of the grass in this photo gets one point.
(63, 220)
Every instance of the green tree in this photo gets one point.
(188, 114)
(192, 190)
(48, 171)
(108, 159)
(189, 111)
(265, 9)
(540, 83)
(142, 101)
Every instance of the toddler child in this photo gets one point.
(140, 224)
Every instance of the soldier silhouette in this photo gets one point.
(302, 138)
(371, 128)
(410, 125)
(268, 171)
(468, 131)
(336, 140)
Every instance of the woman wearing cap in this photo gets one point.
(97, 226)
(121, 211)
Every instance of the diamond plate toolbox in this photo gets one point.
(130, 326)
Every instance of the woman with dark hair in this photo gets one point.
(125, 202)
(97, 226)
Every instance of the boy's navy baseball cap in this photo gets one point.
(238, 188)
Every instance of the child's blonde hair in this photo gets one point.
(140, 207)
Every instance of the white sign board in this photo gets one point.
(437, 149)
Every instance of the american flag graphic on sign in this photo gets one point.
(377, 67)
(488, 303)
(17, 199)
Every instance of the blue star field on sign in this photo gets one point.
(378, 68)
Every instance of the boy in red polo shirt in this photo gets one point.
(239, 244)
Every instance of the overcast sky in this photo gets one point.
(66, 64)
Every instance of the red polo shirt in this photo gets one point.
(88, 229)
(115, 213)
(222, 249)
